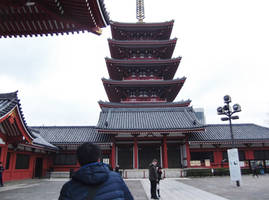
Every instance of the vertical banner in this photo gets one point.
(234, 164)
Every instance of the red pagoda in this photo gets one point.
(141, 115)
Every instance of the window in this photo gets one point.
(202, 156)
(22, 161)
(261, 154)
(241, 156)
(65, 159)
(7, 160)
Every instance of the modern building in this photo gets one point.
(141, 120)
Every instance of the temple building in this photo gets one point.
(140, 122)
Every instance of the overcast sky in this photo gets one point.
(224, 45)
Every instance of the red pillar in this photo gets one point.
(113, 155)
(188, 154)
(165, 157)
(217, 157)
(4, 149)
(249, 154)
(135, 153)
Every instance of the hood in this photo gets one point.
(93, 173)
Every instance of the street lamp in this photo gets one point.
(228, 111)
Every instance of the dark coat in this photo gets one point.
(1, 170)
(159, 172)
(113, 187)
(153, 176)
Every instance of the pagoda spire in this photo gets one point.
(140, 11)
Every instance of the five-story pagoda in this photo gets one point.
(141, 113)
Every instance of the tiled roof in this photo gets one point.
(220, 132)
(8, 101)
(71, 134)
(39, 140)
(148, 119)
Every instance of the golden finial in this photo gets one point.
(140, 11)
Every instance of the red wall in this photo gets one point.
(249, 155)
(18, 174)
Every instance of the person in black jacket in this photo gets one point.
(94, 180)
(159, 173)
(1, 174)
(153, 177)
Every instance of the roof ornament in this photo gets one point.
(140, 11)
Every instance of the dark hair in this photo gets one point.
(88, 153)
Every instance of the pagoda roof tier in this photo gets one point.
(166, 90)
(148, 120)
(33, 18)
(142, 49)
(165, 68)
(106, 105)
(141, 31)
(13, 127)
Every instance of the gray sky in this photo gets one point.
(224, 45)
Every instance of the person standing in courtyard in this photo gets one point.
(153, 177)
(94, 180)
(1, 174)
(255, 169)
(159, 173)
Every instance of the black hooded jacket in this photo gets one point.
(113, 187)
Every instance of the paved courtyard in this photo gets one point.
(209, 188)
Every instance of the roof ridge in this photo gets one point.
(9, 95)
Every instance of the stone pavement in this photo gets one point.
(250, 189)
(171, 189)
(207, 188)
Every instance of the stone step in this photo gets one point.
(143, 173)
(132, 173)
(58, 175)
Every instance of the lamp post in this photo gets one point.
(228, 111)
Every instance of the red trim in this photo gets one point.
(147, 61)
(165, 157)
(113, 154)
(22, 128)
(4, 149)
(135, 153)
(3, 137)
(142, 42)
(249, 154)
(6, 116)
(188, 154)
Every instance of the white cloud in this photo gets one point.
(224, 45)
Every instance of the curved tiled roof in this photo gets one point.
(221, 132)
(8, 101)
(148, 119)
(71, 134)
